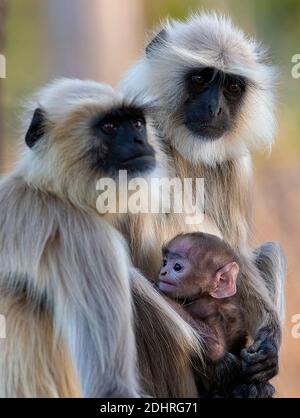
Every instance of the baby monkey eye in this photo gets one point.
(177, 267)
(139, 124)
(164, 263)
(109, 127)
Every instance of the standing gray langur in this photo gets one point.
(65, 273)
(213, 96)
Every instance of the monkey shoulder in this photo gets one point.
(35, 216)
(233, 325)
(202, 308)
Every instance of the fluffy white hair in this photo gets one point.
(206, 40)
(57, 162)
(46, 166)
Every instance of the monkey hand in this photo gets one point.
(260, 360)
(259, 390)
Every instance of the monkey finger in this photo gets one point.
(265, 390)
(258, 367)
(260, 344)
(266, 351)
(253, 358)
(264, 376)
(260, 373)
(255, 346)
(261, 390)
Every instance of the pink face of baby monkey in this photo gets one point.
(174, 271)
(189, 270)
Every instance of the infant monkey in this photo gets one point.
(200, 272)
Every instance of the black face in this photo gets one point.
(213, 101)
(124, 136)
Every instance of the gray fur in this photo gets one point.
(211, 40)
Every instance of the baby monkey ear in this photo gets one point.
(36, 129)
(225, 279)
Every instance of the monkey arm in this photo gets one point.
(225, 378)
(259, 361)
(222, 375)
(211, 337)
(164, 339)
(92, 304)
(67, 258)
(270, 261)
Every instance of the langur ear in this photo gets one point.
(226, 279)
(156, 42)
(36, 129)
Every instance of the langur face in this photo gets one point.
(212, 87)
(194, 267)
(123, 136)
(178, 277)
(104, 142)
(213, 101)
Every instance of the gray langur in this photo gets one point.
(65, 272)
(199, 274)
(213, 95)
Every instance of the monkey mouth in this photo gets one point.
(166, 285)
(141, 163)
(206, 131)
(137, 157)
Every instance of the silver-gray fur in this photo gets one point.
(60, 259)
(71, 297)
(211, 40)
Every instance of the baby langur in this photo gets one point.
(200, 271)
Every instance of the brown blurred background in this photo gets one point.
(99, 39)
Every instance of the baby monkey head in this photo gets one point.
(198, 264)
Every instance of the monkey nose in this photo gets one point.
(214, 110)
(163, 273)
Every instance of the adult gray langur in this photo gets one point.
(213, 95)
(65, 275)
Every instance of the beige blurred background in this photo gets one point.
(99, 39)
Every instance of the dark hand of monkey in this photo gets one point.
(260, 360)
(222, 376)
(260, 390)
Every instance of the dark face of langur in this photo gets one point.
(117, 141)
(123, 133)
(213, 101)
(180, 278)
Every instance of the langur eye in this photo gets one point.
(139, 124)
(234, 89)
(198, 79)
(177, 267)
(164, 263)
(109, 128)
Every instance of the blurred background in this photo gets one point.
(99, 39)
